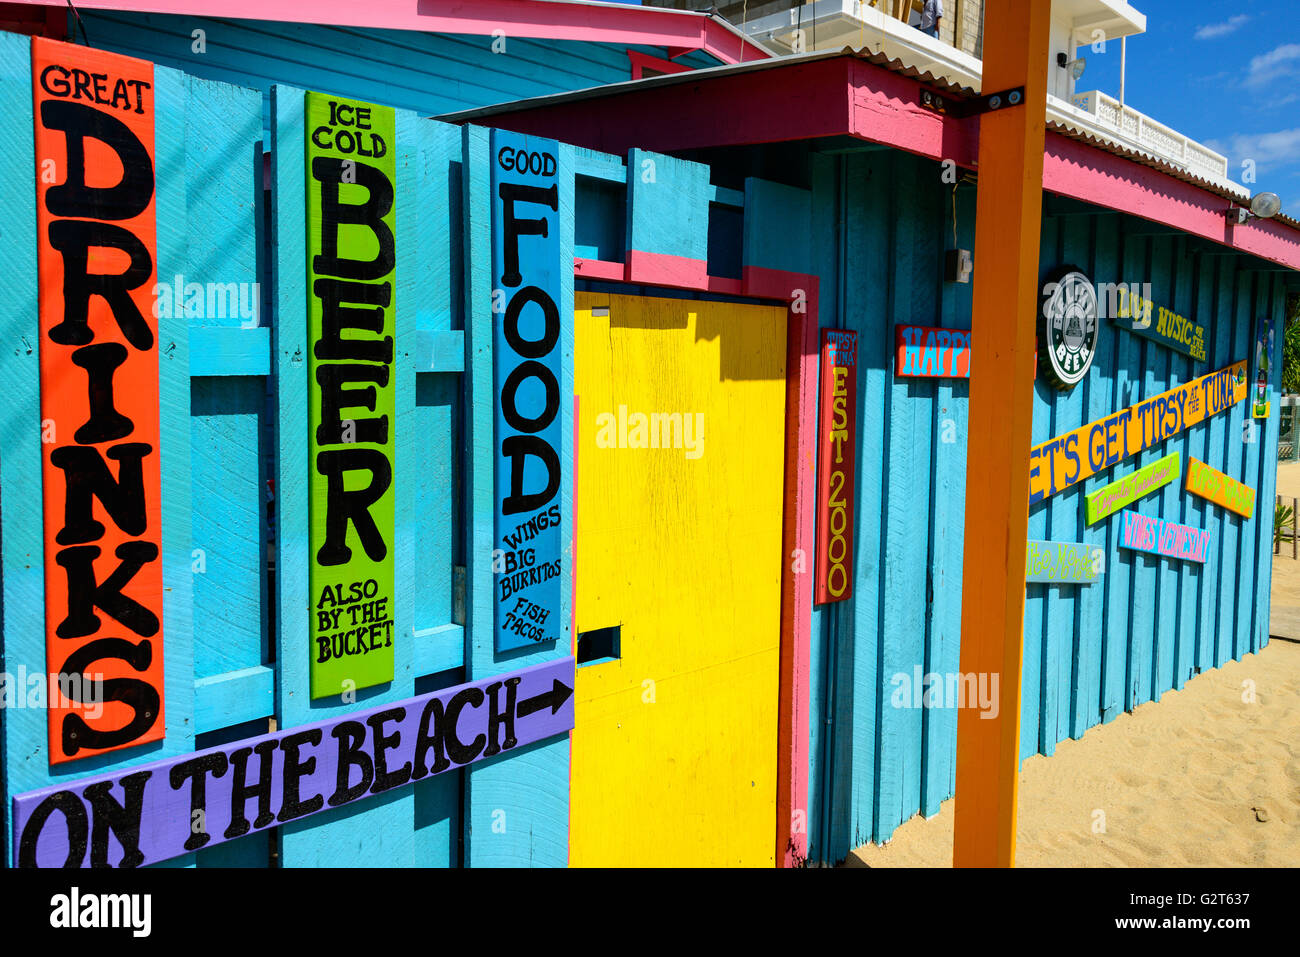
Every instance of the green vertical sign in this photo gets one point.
(351, 267)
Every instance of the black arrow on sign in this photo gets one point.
(558, 694)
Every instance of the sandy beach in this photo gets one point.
(1202, 778)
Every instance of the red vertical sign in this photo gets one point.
(96, 253)
(837, 421)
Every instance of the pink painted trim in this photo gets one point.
(642, 62)
(573, 616)
(793, 728)
(884, 107)
(599, 269)
(660, 269)
(1084, 172)
(557, 20)
(846, 96)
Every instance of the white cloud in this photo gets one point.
(1277, 65)
(1212, 30)
(1266, 149)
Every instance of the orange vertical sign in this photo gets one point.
(97, 251)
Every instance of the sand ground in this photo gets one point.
(1202, 778)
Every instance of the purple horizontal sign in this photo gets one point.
(1150, 534)
(156, 811)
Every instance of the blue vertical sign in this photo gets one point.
(526, 352)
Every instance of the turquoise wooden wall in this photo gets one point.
(881, 221)
(234, 453)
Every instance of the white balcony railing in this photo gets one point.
(1150, 135)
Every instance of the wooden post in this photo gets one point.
(1008, 215)
(1293, 528)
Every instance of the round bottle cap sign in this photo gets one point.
(1067, 330)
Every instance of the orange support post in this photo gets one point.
(1007, 221)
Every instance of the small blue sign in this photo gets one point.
(526, 348)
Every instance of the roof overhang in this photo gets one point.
(679, 30)
(844, 94)
(1113, 18)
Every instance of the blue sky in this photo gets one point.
(1225, 74)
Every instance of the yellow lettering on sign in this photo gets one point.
(1068, 459)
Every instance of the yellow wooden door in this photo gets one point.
(681, 423)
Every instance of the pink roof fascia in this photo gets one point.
(544, 19)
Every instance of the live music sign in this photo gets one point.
(836, 431)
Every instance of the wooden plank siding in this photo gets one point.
(428, 73)
(870, 227)
(1090, 653)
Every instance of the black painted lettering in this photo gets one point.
(74, 239)
(87, 477)
(517, 448)
(140, 696)
(328, 171)
(384, 779)
(344, 506)
(241, 790)
(75, 819)
(351, 736)
(85, 594)
(196, 770)
(515, 227)
(292, 804)
(121, 820)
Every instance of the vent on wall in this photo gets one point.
(600, 644)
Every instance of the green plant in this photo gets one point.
(1291, 346)
(1282, 517)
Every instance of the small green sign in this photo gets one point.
(351, 266)
(1126, 491)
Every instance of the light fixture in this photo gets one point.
(1265, 205)
(1262, 206)
(1076, 67)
